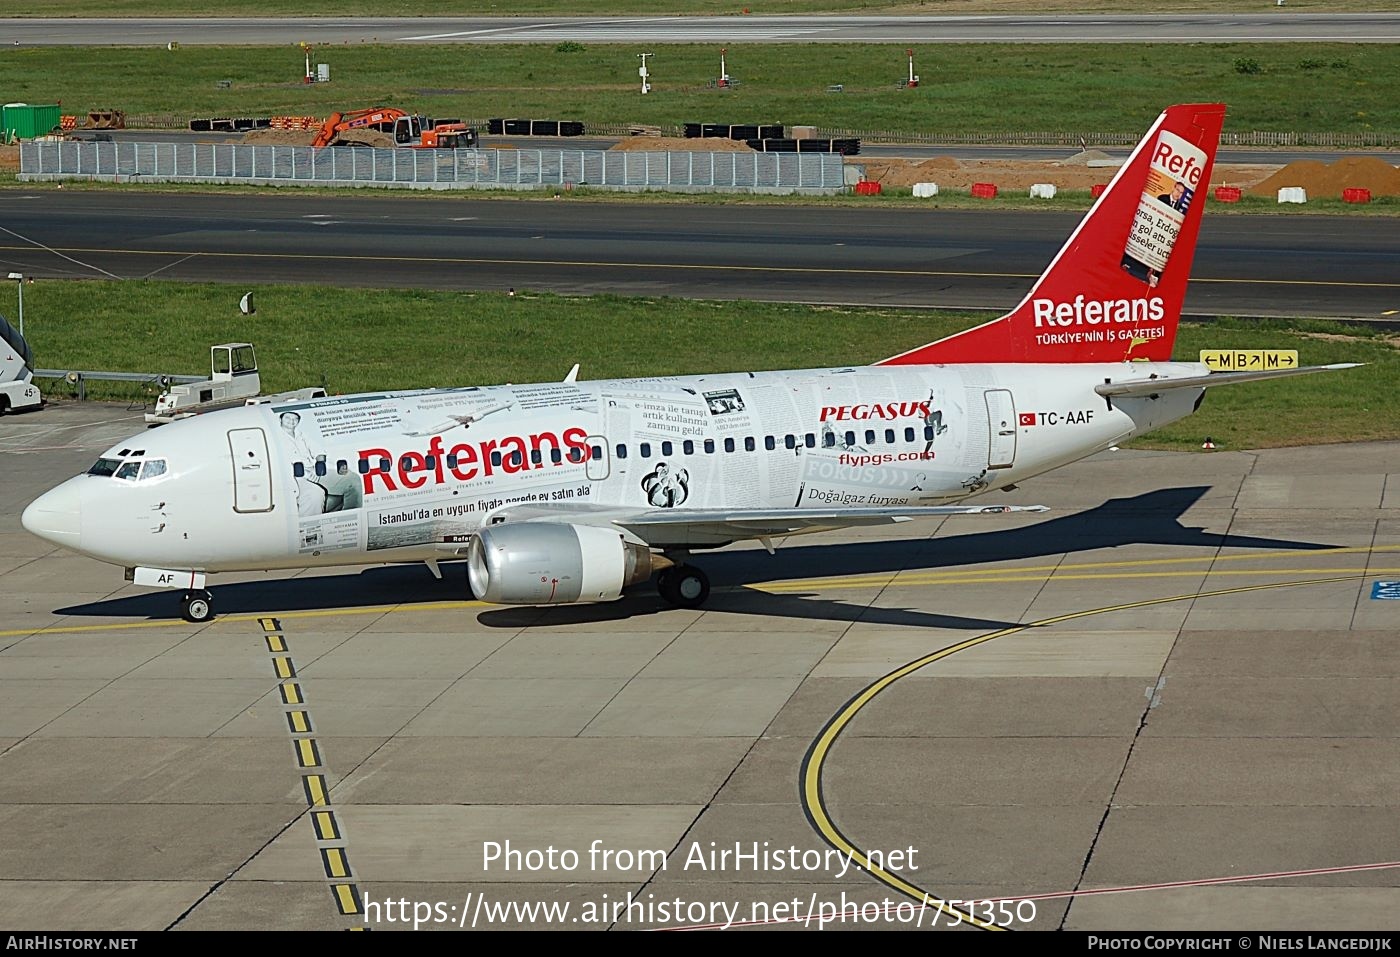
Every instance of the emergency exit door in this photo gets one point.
(252, 476)
(1001, 429)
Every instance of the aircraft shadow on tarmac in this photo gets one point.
(1150, 518)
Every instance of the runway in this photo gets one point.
(1273, 26)
(1169, 703)
(1245, 265)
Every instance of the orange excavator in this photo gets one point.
(409, 130)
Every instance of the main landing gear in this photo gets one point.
(684, 586)
(197, 606)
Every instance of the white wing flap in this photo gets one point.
(717, 526)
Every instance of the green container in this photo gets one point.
(27, 122)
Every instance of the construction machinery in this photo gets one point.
(407, 130)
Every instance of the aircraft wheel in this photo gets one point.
(686, 587)
(666, 585)
(197, 606)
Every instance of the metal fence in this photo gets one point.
(430, 169)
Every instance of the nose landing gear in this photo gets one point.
(197, 606)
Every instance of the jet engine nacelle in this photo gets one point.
(550, 563)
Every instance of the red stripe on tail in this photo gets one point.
(1115, 291)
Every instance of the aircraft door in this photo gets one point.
(1001, 425)
(252, 473)
(598, 461)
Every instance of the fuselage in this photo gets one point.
(410, 476)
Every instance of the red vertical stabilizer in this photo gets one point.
(1115, 291)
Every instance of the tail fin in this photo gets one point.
(1115, 291)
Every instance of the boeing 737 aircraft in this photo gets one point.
(572, 491)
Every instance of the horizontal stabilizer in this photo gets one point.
(1155, 385)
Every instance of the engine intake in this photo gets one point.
(550, 563)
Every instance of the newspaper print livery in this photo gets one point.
(425, 469)
(1173, 177)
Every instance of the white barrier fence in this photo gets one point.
(429, 169)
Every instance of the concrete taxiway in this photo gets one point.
(1178, 681)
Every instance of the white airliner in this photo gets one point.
(572, 491)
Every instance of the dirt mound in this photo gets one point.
(271, 137)
(1329, 179)
(680, 144)
(1089, 156)
(9, 158)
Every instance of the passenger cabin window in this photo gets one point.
(928, 433)
(889, 436)
(729, 445)
(909, 434)
(688, 447)
(644, 450)
(496, 459)
(667, 449)
(790, 441)
(709, 446)
(769, 443)
(556, 456)
(298, 470)
(850, 438)
(748, 443)
(809, 440)
(621, 451)
(576, 455)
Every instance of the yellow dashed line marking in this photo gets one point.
(334, 861)
(347, 896)
(326, 827)
(810, 778)
(308, 755)
(314, 785)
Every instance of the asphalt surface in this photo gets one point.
(1175, 689)
(1245, 265)
(1031, 154)
(1275, 25)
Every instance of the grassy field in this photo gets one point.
(595, 8)
(972, 88)
(358, 340)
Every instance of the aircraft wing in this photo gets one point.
(717, 526)
(1163, 383)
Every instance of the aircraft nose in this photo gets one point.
(57, 515)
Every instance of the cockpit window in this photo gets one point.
(152, 468)
(129, 470)
(104, 467)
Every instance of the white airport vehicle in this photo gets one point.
(233, 380)
(572, 491)
(17, 388)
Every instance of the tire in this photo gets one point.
(197, 607)
(685, 587)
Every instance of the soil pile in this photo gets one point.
(270, 137)
(680, 144)
(9, 158)
(1329, 179)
